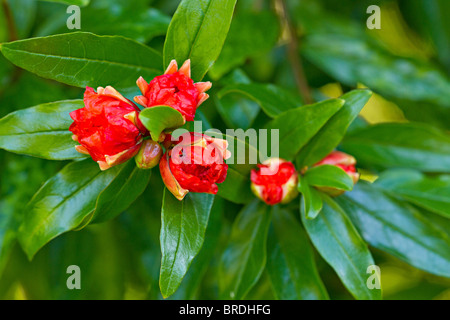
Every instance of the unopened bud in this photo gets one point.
(149, 155)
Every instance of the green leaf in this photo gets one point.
(351, 60)
(236, 110)
(273, 100)
(297, 126)
(431, 193)
(137, 22)
(182, 234)
(81, 3)
(338, 242)
(342, 49)
(431, 19)
(140, 24)
(397, 228)
(245, 256)
(328, 138)
(244, 156)
(83, 59)
(23, 15)
(41, 131)
(128, 185)
(8, 233)
(329, 176)
(408, 145)
(3, 30)
(311, 201)
(290, 264)
(251, 34)
(191, 284)
(236, 187)
(62, 203)
(197, 32)
(160, 118)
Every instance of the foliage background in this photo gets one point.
(406, 64)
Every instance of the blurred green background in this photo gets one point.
(406, 63)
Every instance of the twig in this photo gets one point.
(10, 21)
(12, 35)
(294, 55)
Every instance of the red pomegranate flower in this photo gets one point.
(107, 127)
(175, 89)
(275, 181)
(195, 163)
(344, 161)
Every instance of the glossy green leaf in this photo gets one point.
(140, 228)
(408, 145)
(244, 156)
(127, 186)
(338, 242)
(41, 131)
(62, 203)
(182, 235)
(5, 74)
(297, 126)
(8, 233)
(351, 60)
(245, 256)
(125, 18)
(399, 229)
(83, 59)
(237, 112)
(3, 30)
(23, 15)
(251, 34)
(236, 187)
(311, 201)
(397, 67)
(80, 3)
(235, 109)
(190, 286)
(431, 193)
(135, 23)
(290, 264)
(328, 138)
(273, 100)
(20, 178)
(160, 118)
(431, 19)
(201, 37)
(329, 176)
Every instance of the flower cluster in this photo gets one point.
(109, 130)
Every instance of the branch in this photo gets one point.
(294, 56)
(10, 21)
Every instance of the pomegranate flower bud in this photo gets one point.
(149, 155)
(106, 127)
(275, 181)
(175, 89)
(344, 161)
(195, 164)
